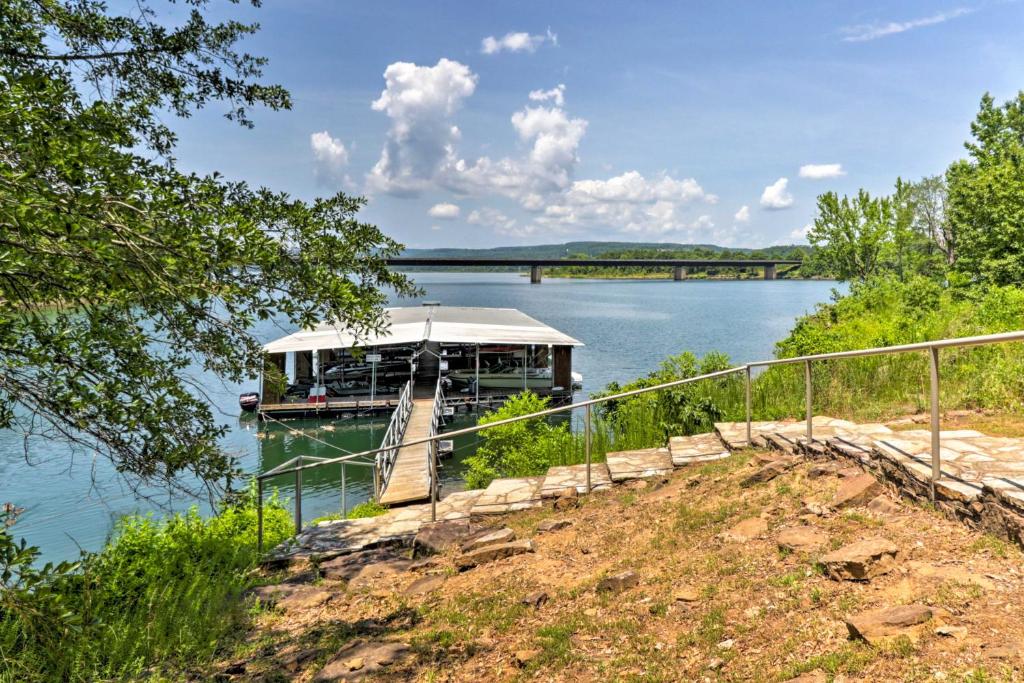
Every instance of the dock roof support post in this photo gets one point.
(476, 383)
(525, 357)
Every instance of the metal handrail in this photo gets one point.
(392, 440)
(435, 422)
(932, 347)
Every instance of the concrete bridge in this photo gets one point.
(678, 267)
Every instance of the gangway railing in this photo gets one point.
(932, 347)
(437, 411)
(389, 445)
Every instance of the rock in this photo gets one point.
(686, 594)
(294, 660)
(303, 598)
(524, 657)
(635, 484)
(270, 595)
(882, 505)
(568, 498)
(535, 600)
(878, 626)
(956, 632)
(746, 530)
(1008, 651)
(815, 508)
(436, 537)
(549, 525)
(823, 469)
(492, 537)
(849, 472)
(427, 565)
(374, 575)
(235, 668)
(493, 552)
(362, 660)
(616, 583)
(714, 664)
(726, 644)
(347, 567)
(856, 490)
(816, 676)
(800, 539)
(424, 585)
(766, 473)
(861, 560)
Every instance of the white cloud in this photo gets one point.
(864, 32)
(801, 233)
(420, 101)
(445, 210)
(497, 221)
(743, 215)
(775, 195)
(435, 227)
(517, 42)
(820, 171)
(634, 187)
(329, 156)
(556, 95)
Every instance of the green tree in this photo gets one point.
(851, 234)
(117, 270)
(986, 197)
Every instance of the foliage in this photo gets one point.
(809, 268)
(117, 270)
(986, 197)
(369, 508)
(161, 594)
(519, 449)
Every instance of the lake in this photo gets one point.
(72, 500)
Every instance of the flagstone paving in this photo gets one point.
(639, 464)
(686, 450)
(509, 495)
(563, 476)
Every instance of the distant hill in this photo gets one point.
(579, 248)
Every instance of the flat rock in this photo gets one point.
(549, 525)
(856, 490)
(493, 552)
(361, 660)
(567, 499)
(347, 567)
(489, 537)
(816, 676)
(766, 472)
(376, 574)
(306, 597)
(883, 505)
(878, 626)
(436, 537)
(427, 565)
(800, 538)
(822, 469)
(424, 585)
(747, 530)
(535, 599)
(616, 583)
(861, 560)
(686, 594)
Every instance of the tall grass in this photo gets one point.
(162, 595)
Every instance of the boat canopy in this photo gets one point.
(444, 324)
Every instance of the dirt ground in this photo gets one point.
(707, 606)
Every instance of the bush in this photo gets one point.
(520, 449)
(162, 593)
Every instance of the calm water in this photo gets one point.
(72, 500)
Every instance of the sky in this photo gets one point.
(480, 124)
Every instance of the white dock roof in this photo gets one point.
(448, 324)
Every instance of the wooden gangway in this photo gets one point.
(407, 470)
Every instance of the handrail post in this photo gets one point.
(750, 441)
(432, 454)
(809, 400)
(376, 479)
(344, 505)
(936, 463)
(298, 498)
(259, 516)
(586, 442)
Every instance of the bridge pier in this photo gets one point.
(769, 272)
(679, 273)
(536, 272)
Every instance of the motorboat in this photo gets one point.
(504, 377)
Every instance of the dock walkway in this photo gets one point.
(410, 475)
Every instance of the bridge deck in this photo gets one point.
(410, 477)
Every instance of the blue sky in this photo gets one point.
(483, 124)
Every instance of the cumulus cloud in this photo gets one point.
(420, 101)
(863, 32)
(444, 210)
(801, 233)
(556, 95)
(743, 215)
(496, 220)
(329, 156)
(775, 196)
(820, 171)
(517, 42)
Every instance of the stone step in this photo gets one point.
(687, 450)
(509, 495)
(561, 477)
(639, 464)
